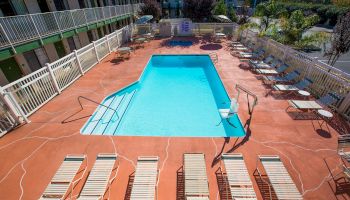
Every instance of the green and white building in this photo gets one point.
(36, 32)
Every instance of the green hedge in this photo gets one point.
(328, 13)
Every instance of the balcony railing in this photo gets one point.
(20, 29)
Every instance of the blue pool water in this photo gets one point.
(177, 95)
(180, 43)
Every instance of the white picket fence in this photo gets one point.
(26, 95)
(325, 78)
(18, 29)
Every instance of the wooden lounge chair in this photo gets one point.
(145, 182)
(241, 186)
(279, 178)
(61, 182)
(196, 181)
(99, 178)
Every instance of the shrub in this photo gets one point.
(328, 13)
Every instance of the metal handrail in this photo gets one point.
(238, 88)
(81, 105)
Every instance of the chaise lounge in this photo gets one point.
(196, 181)
(145, 182)
(240, 184)
(279, 178)
(61, 182)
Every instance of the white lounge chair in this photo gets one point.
(196, 181)
(145, 182)
(254, 55)
(61, 182)
(303, 105)
(279, 178)
(281, 79)
(241, 186)
(99, 178)
(344, 147)
(268, 63)
(276, 71)
(301, 85)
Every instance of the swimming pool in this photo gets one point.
(176, 95)
(180, 43)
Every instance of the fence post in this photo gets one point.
(52, 75)
(14, 109)
(109, 45)
(98, 59)
(344, 104)
(79, 63)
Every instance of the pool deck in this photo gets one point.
(31, 154)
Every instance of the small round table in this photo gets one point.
(304, 93)
(140, 41)
(124, 51)
(220, 35)
(325, 116)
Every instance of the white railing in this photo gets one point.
(29, 93)
(212, 28)
(19, 29)
(325, 78)
(7, 121)
(197, 28)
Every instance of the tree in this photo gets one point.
(150, 7)
(232, 14)
(267, 12)
(291, 30)
(220, 8)
(197, 10)
(340, 39)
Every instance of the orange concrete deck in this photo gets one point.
(31, 154)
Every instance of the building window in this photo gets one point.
(61, 5)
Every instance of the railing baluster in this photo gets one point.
(58, 25)
(7, 38)
(36, 29)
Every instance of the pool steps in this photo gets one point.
(106, 121)
(112, 127)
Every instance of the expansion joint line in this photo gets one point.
(163, 164)
(119, 155)
(265, 143)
